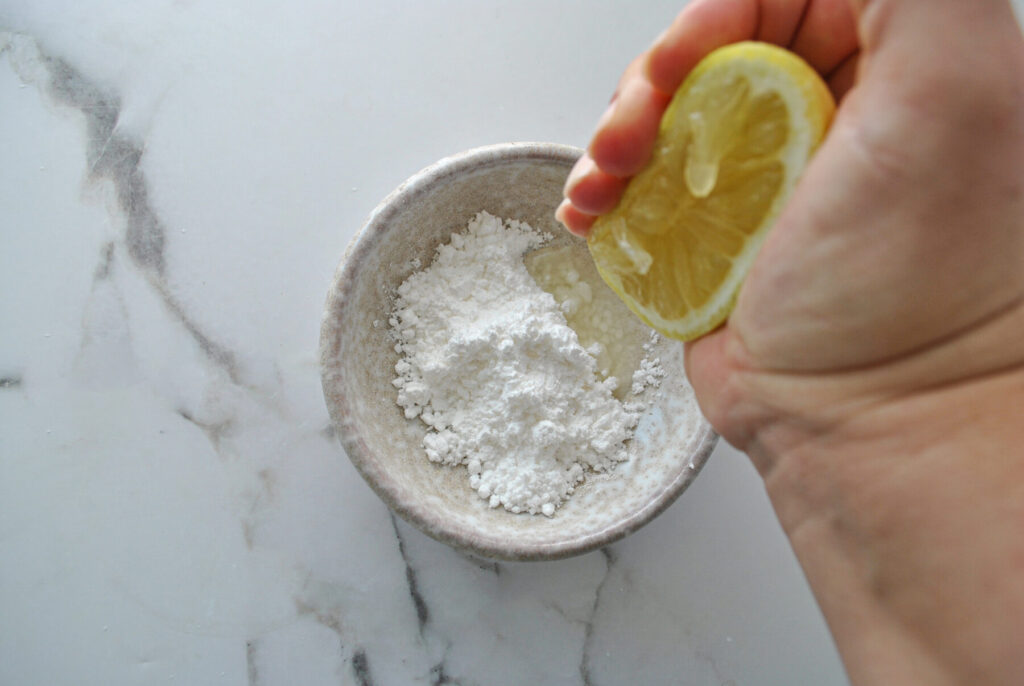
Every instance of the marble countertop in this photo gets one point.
(179, 179)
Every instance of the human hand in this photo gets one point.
(883, 317)
(903, 231)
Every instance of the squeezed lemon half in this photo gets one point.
(730, 148)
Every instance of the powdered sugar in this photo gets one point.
(503, 384)
(650, 372)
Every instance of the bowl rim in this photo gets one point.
(338, 404)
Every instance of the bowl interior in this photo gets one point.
(518, 181)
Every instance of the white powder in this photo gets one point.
(490, 365)
(650, 372)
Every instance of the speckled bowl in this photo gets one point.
(519, 181)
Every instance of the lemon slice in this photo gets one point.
(731, 146)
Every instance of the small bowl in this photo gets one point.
(513, 181)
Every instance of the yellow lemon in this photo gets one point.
(730, 148)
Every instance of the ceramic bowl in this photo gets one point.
(517, 181)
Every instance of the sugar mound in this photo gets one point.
(491, 367)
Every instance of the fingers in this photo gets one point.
(592, 190)
(779, 19)
(827, 35)
(620, 148)
(628, 126)
(626, 132)
(842, 78)
(822, 31)
(577, 222)
(700, 28)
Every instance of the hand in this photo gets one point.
(882, 319)
(905, 229)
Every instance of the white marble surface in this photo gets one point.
(179, 179)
